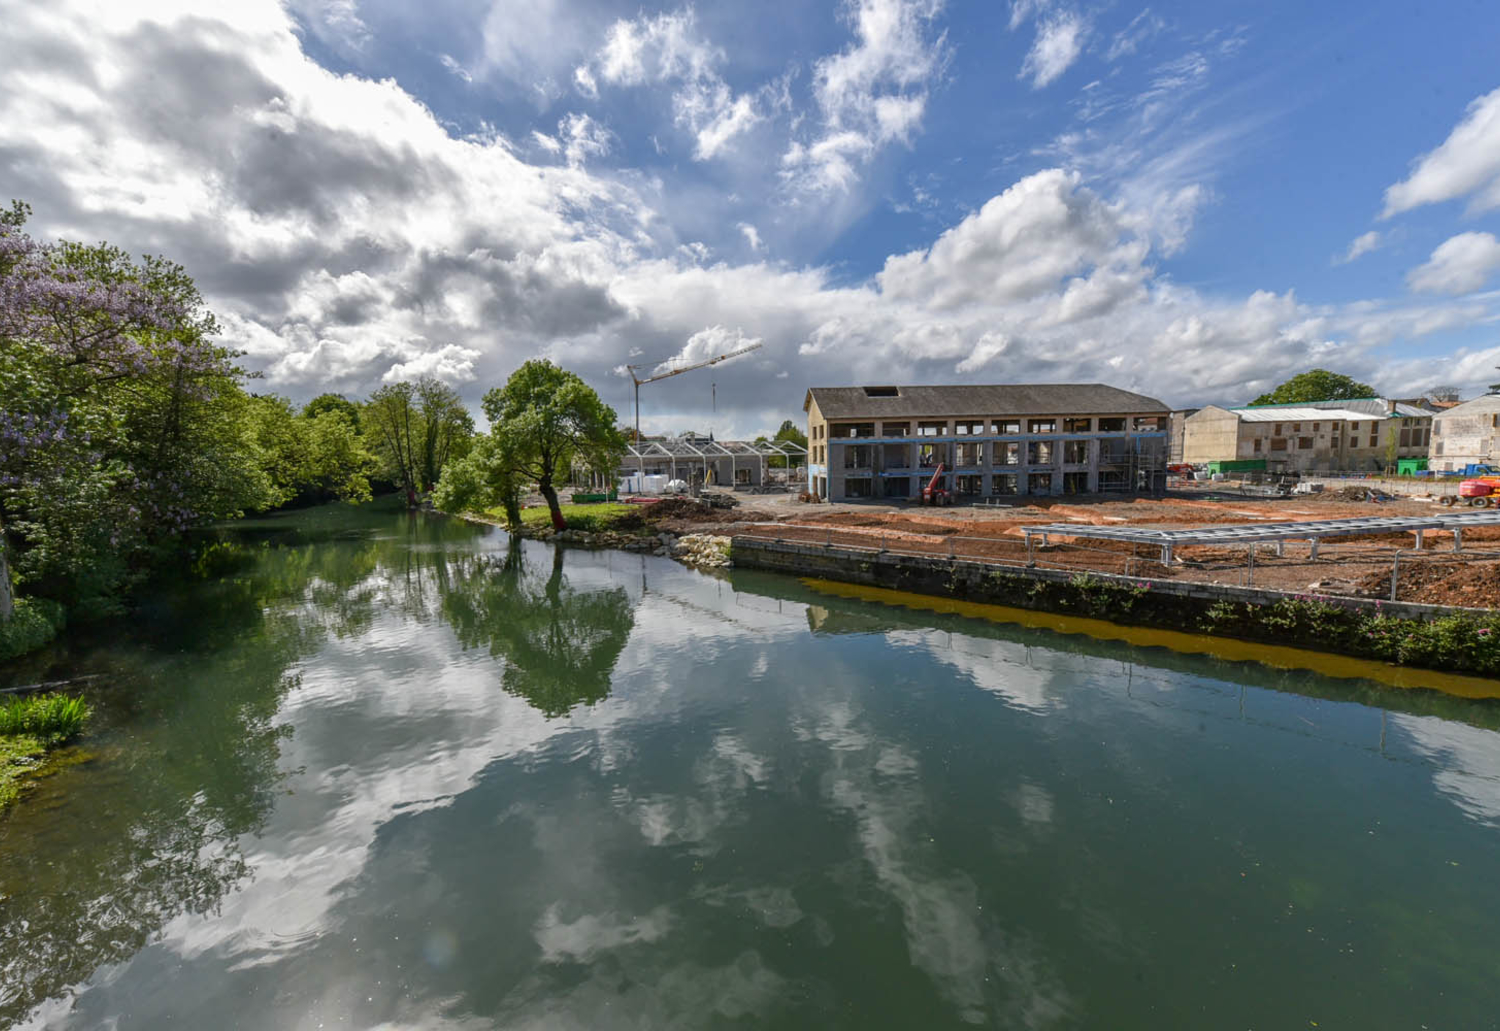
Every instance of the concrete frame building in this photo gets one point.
(1466, 434)
(1319, 436)
(886, 442)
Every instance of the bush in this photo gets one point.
(51, 719)
(34, 622)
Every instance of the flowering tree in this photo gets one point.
(120, 419)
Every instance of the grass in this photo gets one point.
(20, 754)
(29, 727)
(590, 518)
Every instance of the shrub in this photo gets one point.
(51, 718)
(34, 622)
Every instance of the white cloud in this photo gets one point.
(582, 138)
(1059, 41)
(1362, 244)
(345, 236)
(871, 94)
(451, 63)
(452, 364)
(1459, 265)
(667, 48)
(1141, 28)
(752, 236)
(1466, 164)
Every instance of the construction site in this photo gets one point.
(1436, 555)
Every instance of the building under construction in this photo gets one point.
(988, 441)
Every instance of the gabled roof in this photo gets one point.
(1059, 399)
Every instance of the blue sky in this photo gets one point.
(1191, 200)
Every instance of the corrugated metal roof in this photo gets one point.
(1309, 414)
(1059, 399)
(1378, 406)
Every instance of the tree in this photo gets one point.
(118, 417)
(337, 403)
(415, 429)
(1316, 385)
(547, 419)
(447, 427)
(482, 479)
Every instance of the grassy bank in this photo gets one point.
(588, 518)
(29, 729)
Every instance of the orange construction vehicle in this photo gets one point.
(932, 494)
(1480, 492)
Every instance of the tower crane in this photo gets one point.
(639, 382)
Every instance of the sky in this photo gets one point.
(1193, 201)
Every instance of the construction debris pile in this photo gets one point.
(702, 550)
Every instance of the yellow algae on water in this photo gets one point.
(1227, 648)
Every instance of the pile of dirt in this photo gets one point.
(1440, 582)
(682, 510)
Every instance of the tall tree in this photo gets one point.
(1316, 385)
(548, 419)
(447, 427)
(393, 425)
(416, 429)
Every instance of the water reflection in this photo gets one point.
(560, 644)
(698, 801)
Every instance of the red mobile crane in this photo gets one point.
(932, 494)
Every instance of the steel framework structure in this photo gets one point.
(693, 451)
(1278, 533)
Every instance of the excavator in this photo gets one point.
(933, 493)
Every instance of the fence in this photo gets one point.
(1362, 568)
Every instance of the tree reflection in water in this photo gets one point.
(560, 644)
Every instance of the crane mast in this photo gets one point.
(638, 381)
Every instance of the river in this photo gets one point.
(395, 771)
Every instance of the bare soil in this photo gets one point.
(1345, 566)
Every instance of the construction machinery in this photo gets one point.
(1480, 492)
(668, 375)
(934, 493)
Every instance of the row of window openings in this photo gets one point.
(1001, 485)
(975, 428)
(929, 456)
(1408, 438)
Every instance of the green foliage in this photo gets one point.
(34, 622)
(50, 718)
(415, 429)
(482, 480)
(336, 403)
(1101, 597)
(310, 458)
(546, 420)
(1316, 385)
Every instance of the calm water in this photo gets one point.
(393, 772)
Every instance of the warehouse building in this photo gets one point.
(1467, 434)
(887, 442)
(1362, 435)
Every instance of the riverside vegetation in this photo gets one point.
(29, 728)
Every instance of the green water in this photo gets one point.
(392, 772)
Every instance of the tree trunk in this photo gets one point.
(512, 510)
(7, 603)
(550, 493)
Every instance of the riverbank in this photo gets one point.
(1428, 636)
(31, 730)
